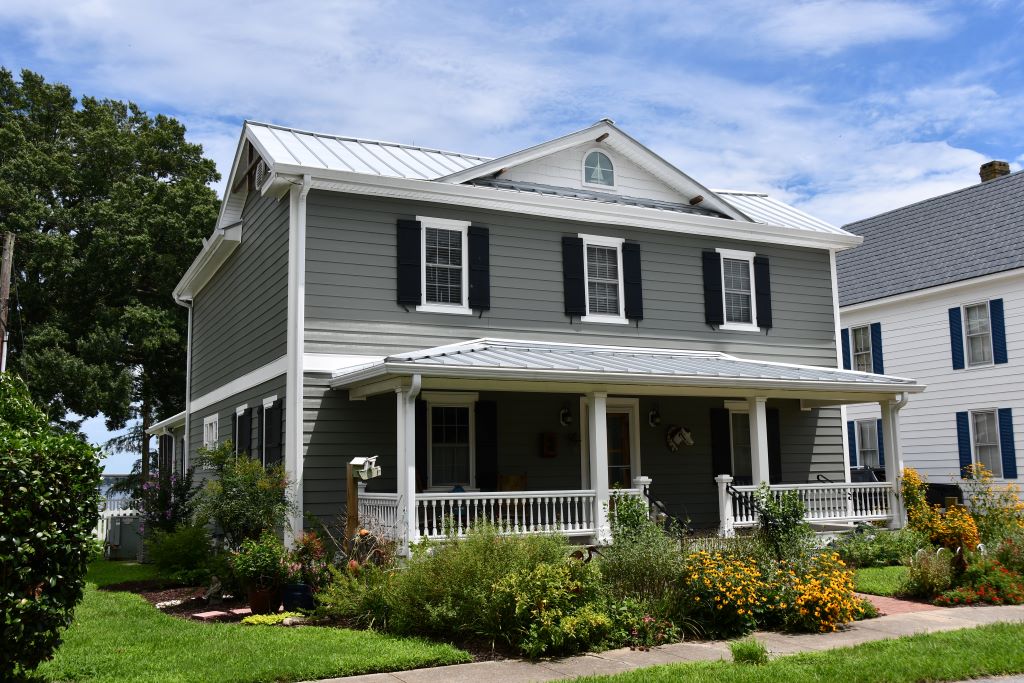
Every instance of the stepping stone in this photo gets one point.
(241, 612)
(215, 615)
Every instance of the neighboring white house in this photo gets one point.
(936, 292)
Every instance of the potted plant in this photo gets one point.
(260, 566)
(307, 572)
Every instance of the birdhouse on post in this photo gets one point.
(359, 469)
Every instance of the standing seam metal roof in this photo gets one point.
(976, 231)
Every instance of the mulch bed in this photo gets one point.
(155, 591)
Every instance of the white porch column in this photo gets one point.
(597, 440)
(405, 475)
(725, 517)
(893, 458)
(758, 439)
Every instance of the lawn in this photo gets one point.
(880, 580)
(952, 656)
(121, 637)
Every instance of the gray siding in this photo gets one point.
(240, 319)
(226, 408)
(350, 291)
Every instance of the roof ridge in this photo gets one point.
(350, 138)
(969, 188)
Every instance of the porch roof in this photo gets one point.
(540, 365)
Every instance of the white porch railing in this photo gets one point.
(825, 503)
(379, 510)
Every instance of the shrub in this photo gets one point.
(1010, 552)
(997, 508)
(820, 596)
(721, 594)
(268, 619)
(550, 609)
(308, 561)
(985, 581)
(880, 547)
(643, 562)
(165, 502)
(260, 564)
(636, 626)
(781, 526)
(749, 651)
(445, 588)
(867, 610)
(243, 498)
(48, 510)
(182, 556)
(930, 574)
(356, 598)
(956, 529)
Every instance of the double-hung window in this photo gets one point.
(445, 274)
(867, 441)
(211, 432)
(862, 361)
(985, 439)
(978, 332)
(738, 296)
(451, 426)
(603, 274)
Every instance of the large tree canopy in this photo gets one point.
(110, 206)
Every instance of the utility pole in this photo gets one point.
(5, 297)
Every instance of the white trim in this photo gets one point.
(853, 348)
(610, 243)
(247, 381)
(269, 401)
(860, 445)
(837, 326)
(737, 255)
(240, 410)
(583, 169)
(935, 290)
(294, 425)
(965, 338)
(739, 410)
(451, 399)
(215, 252)
(462, 227)
(631, 407)
(167, 424)
(331, 363)
(209, 420)
(999, 440)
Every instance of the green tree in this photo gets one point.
(110, 206)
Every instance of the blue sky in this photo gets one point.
(844, 109)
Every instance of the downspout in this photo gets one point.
(837, 325)
(294, 427)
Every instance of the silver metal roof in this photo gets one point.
(764, 209)
(533, 360)
(372, 157)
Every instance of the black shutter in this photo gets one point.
(245, 433)
(632, 280)
(487, 445)
(763, 292)
(714, 310)
(479, 269)
(963, 442)
(574, 286)
(274, 416)
(774, 444)
(256, 417)
(422, 473)
(409, 263)
(956, 338)
(847, 358)
(998, 324)
(721, 446)
(1007, 448)
(877, 362)
(234, 432)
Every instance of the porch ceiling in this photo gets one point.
(516, 365)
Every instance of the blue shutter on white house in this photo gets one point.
(963, 441)
(851, 431)
(877, 366)
(844, 335)
(1006, 447)
(881, 444)
(956, 338)
(995, 311)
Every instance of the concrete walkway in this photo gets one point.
(616, 661)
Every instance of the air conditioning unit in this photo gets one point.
(261, 174)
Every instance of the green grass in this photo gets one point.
(880, 580)
(121, 637)
(104, 572)
(951, 656)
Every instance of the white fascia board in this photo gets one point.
(216, 250)
(937, 290)
(271, 370)
(571, 209)
(170, 423)
(222, 216)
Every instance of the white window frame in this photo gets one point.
(747, 256)
(239, 411)
(967, 341)
(583, 170)
(974, 441)
(611, 243)
(456, 226)
(208, 422)
(853, 349)
(613, 404)
(861, 461)
(445, 399)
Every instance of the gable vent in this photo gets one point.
(261, 174)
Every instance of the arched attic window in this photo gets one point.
(598, 169)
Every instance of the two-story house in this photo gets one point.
(936, 292)
(517, 337)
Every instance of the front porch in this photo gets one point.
(539, 438)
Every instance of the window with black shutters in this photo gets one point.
(603, 279)
(444, 270)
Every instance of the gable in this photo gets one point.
(564, 168)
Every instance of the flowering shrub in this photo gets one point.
(997, 508)
(307, 561)
(1010, 552)
(930, 574)
(780, 523)
(955, 529)
(722, 594)
(635, 626)
(985, 581)
(166, 503)
(820, 597)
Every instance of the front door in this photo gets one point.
(619, 456)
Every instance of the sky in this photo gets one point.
(844, 109)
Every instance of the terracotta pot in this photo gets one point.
(264, 600)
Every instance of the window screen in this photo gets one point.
(986, 442)
(443, 266)
(736, 275)
(449, 445)
(602, 280)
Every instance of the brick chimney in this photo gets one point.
(994, 169)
